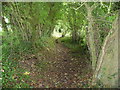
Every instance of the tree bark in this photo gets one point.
(91, 36)
(111, 35)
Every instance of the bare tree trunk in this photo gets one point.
(91, 36)
(111, 35)
(16, 18)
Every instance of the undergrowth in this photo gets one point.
(13, 50)
(12, 75)
(80, 47)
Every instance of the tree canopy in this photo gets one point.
(28, 28)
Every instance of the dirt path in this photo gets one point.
(61, 69)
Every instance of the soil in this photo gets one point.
(58, 68)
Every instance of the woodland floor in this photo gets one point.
(61, 68)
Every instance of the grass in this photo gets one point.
(74, 47)
(12, 75)
(47, 42)
(67, 41)
(13, 50)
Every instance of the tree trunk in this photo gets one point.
(108, 54)
(74, 29)
(91, 36)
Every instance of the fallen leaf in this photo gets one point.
(66, 74)
(26, 73)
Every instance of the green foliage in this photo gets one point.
(46, 42)
(30, 27)
(11, 77)
(11, 74)
(67, 41)
(12, 51)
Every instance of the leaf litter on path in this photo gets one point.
(62, 70)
